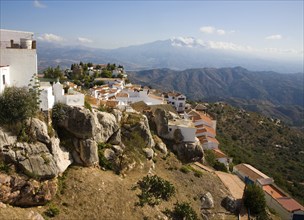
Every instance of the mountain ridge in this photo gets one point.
(270, 93)
(174, 53)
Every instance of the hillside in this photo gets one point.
(273, 94)
(270, 146)
(90, 193)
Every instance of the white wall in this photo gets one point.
(274, 204)
(23, 65)
(47, 99)
(4, 72)
(187, 132)
(74, 100)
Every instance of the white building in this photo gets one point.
(186, 127)
(128, 96)
(4, 77)
(46, 98)
(72, 98)
(177, 100)
(18, 51)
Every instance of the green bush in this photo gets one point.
(184, 169)
(103, 162)
(52, 211)
(183, 211)
(87, 105)
(59, 113)
(17, 105)
(154, 189)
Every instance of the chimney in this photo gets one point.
(34, 45)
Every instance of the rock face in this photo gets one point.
(21, 191)
(160, 145)
(83, 130)
(44, 159)
(160, 119)
(207, 201)
(189, 151)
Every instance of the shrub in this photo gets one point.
(16, 105)
(87, 105)
(52, 211)
(154, 189)
(183, 211)
(59, 113)
(184, 169)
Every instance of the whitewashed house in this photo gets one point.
(177, 100)
(4, 77)
(72, 98)
(18, 58)
(46, 98)
(186, 127)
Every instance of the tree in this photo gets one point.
(106, 73)
(53, 73)
(254, 200)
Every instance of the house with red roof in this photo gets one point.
(285, 206)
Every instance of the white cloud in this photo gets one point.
(50, 38)
(207, 29)
(220, 32)
(274, 37)
(213, 30)
(84, 40)
(38, 4)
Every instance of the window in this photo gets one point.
(3, 79)
(180, 104)
(181, 99)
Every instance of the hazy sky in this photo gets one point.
(276, 26)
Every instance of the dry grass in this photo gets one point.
(91, 193)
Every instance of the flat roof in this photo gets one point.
(182, 123)
(250, 171)
(273, 191)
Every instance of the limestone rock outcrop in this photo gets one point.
(207, 201)
(21, 191)
(160, 145)
(189, 151)
(44, 159)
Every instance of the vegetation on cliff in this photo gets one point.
(266, 143)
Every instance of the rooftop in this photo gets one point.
(250, 171)
(219, 154)
(181, 123)
(290, 204)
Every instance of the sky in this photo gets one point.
(258, 26)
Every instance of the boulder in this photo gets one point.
(21, 191)
(6, 138)
(115, 139)
(108, 125)
(88, 152)
(32, 215)
(160, 118)
(189, 151)
(160, 145)
(34, 160)
(40, 130)
(207, 201)
(78, 121)
(149, 153)
(61, 156)
(230, 204)
(109, 154)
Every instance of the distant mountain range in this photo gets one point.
(176, 53)
(273, 94)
